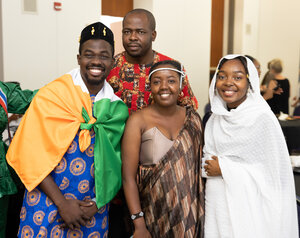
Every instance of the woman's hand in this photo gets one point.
(296, 101)
(212, 167)
(141, 233)
(273, 85)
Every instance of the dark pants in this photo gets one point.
(120, 225)
(3, 215)
(13, 213)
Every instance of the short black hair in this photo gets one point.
(148, 14)
(112, 48)
(174, 63)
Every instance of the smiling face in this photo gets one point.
(232, 83)
(137, 35)
(95, 62)
(165, 86)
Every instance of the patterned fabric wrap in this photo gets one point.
(75, 177)
(131, 83)
(171, 192)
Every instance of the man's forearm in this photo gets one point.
(51, 189)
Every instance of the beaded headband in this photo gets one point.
(181, 72)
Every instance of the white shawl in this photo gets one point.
(255, 164)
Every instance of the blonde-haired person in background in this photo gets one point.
(279, 102)
(269, 85)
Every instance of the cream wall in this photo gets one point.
(279, 37)
(274, 33)
(183, 33)
(38, 48)
(146, 4)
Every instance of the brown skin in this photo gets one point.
(69, 209)
(232, 86)
(164, 114)
(212, 167)
(269, 90)
(296, 101)
(137, 37)
(95, 62)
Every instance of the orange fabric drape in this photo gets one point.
(47, 130)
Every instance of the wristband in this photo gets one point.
(137, 215)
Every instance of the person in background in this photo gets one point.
(162, 146)
(296, 103)
(279, 102)
(249, 190)
(269, 85)
(67, 148)
(129, 76)
(12, 100)
(207, 108)
(266, 79)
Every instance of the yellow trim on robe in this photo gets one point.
(47, 130)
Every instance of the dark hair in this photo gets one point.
(174, 63)
(148, 14)
(243, 60)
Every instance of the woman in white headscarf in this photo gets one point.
(250, 188)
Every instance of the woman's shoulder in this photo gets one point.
(138, 117)
(283, 82)
(281, 78)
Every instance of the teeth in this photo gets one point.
(165, 95)
(228, 93)
(96, 71)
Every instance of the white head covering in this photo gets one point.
(254, 98)
(255, 164)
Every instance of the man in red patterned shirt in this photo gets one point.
(129, 76)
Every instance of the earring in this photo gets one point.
(150, 99)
